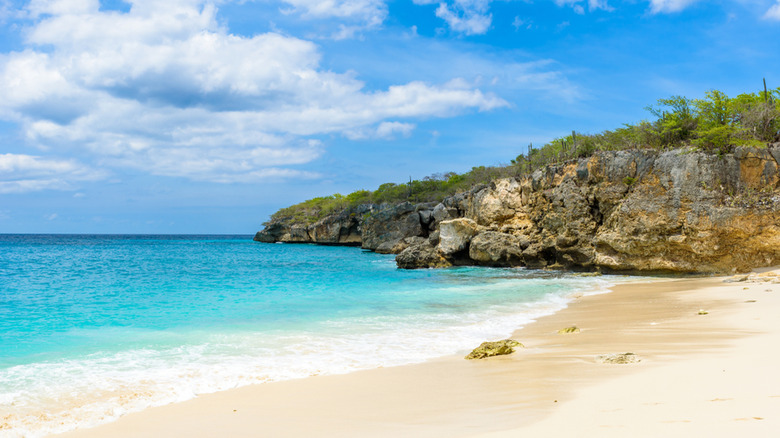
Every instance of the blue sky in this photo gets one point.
(191, 116)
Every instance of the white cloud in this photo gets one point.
(25, 173)
(466, 16)
(599, 4)
(579, 8)
(37, 8)
(356, 15)
(5, 10)
(385, 130)
(669, 6)
(165, 89)
(388, 129)
(774, 12)
(470, 17)
(371, 12)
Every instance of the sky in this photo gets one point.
(195, 116)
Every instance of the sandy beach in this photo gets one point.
(708, 374)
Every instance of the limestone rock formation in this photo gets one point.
(677, 211)
(628, 211)
(497, 348)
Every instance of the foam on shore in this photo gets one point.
(59, 395)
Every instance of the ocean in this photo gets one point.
(96, 326)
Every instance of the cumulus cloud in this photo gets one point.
(26, 173)
(166, 89)
(669, 6)
(774, 12)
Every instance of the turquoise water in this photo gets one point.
(92, 327)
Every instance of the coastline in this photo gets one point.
(698, 372)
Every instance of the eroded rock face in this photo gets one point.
(391, 225)
(297, 234)
(343, 228)
(270, 234)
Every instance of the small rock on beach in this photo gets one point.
(618, 358)
(567, 330)
(497, 348)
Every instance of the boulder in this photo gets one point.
(455, 235)
(433, 238)
(442, 213)
(497, 249)
(497, 348)
(426, 217)
(421, 255)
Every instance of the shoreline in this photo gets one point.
(544, 387)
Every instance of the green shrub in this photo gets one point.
(714, 124)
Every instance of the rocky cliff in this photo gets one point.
(640, 211)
